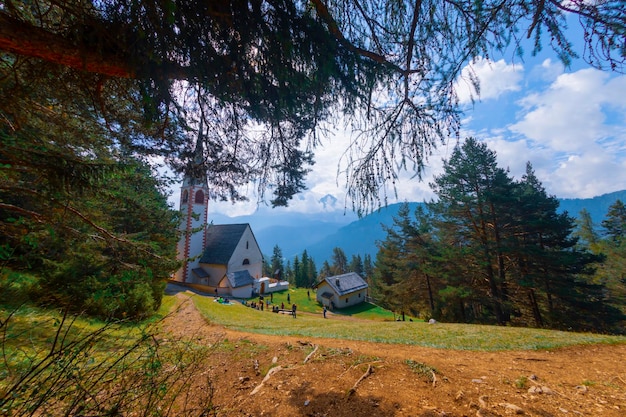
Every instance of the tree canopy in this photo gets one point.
(494, 250)
(266, 76)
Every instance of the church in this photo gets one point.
(223, 259)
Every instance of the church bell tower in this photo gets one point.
(194, 199)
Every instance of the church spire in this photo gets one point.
(195, 174)
(194, 199)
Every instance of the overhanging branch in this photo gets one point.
(21, 38)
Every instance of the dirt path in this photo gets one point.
(328, 377)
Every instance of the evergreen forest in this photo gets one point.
(491, 249)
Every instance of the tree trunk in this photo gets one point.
(535, 307)
(430, 295)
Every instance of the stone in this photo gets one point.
(512, 408)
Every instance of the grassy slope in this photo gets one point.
(376, 326)
(370, 324)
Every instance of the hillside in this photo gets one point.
(255, 375)
(319, 234)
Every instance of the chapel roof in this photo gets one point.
(345, 283)
(221, 241)
(240, 278)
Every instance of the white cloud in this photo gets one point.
(547, 71)
(496, 78)
(570, 125)
(570, 116)
(589, 175)
(575, 129)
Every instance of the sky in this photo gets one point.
(570, 123)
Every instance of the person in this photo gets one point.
(272, 297)
(308, 294)
(293, 311)
(324, 311)
(288, 299)
(282, 306)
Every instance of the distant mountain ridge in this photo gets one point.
(319, 233)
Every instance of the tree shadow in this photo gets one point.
(338, 404)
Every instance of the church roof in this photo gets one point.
(240, 278)
(345, 283)
(221, 241)
(200, 273)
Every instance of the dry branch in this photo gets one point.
(370, 370)
(267, 377)
(311, 354)
(434, 378)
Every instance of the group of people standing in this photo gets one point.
(264, 302)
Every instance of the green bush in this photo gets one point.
(83, 284)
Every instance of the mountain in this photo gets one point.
(596, 206)
(319, 233)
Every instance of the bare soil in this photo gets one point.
(260, 375)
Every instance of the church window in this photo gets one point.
(246, 261)
(185, 196)
(247, 245)
(199, 197)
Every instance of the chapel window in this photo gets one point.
(185, 196)
(199, 197)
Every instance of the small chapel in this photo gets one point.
(224, 259)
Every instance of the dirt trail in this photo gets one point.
(328, 377)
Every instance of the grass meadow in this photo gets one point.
(373, 324)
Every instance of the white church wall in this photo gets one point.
(247, 248)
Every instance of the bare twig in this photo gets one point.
(370, 370)
(311, 354)
(267, 377)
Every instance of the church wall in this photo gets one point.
(247, 248)
(242, 292)
(216, 274)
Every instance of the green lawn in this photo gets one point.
(305, 300)
(362, 327)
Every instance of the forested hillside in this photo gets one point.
(490, 249)
(296, 233)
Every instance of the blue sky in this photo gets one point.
(570, 123)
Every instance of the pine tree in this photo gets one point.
(585, 229)
(276, 262)
(615, 222)
(325, 271)
(356, 265)
(555, 271)
(289, 273)
(368, 267)
(612, 272)
(312, 276)
(121, 269)
(339, 262)
(297, 272)
(303, 275)
(403, 277)
(474, 198)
